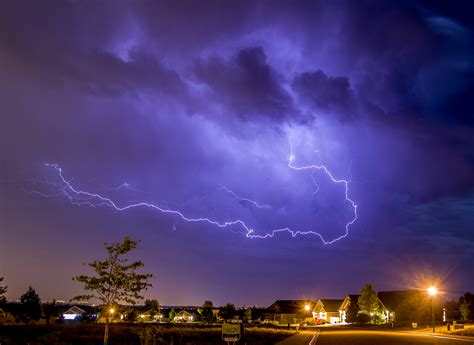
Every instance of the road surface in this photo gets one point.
(303, 337)
(369, 337)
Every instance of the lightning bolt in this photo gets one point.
(85, 198)
(313, 167)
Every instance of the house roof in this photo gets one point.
(348, 300)
(290, 306)
(75, 310)
(330, 305)
(394, 299)
(150, 311)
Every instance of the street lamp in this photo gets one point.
(307, 307)
(432, 292)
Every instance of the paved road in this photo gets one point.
(303, 337)
(364, 337)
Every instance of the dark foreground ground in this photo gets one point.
(133, 334)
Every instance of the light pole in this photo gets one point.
(432, 291)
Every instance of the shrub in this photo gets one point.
(363, 318)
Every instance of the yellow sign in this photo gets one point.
(230, 332)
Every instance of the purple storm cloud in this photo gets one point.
(309, 122)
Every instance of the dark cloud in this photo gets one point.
(104, 74)
(247, 85)
(179, 99)
(324, 92)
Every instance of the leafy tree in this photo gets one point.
(363, 318)
(50, 311)
(368, 300)
(352, 312)
(465, 309)
(30, 305)
(3, 290)
(248, 314)
(469, 299)
(115, 279)
(227, 311)
(153, 306)
(132, 315)
(206, 311)
(172, 315)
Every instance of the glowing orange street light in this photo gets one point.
(111, 310)
(432, 292)
(307, 307)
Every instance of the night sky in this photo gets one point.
(241, 112)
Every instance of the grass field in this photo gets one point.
(131, 334)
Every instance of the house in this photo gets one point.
(150, 315)
(184, 316)
(289, 311)
(406, 305)
(74, 313)
(348, 300)
(328, 310)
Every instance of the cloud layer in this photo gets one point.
(181, 99)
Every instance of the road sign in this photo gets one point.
(230, 332)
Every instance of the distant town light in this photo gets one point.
(111, 310)
(142, 316)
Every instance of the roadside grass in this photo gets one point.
(467, 331)
(131, 334)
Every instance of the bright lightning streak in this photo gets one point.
(323, 168)
(82, 197)
(314, 181)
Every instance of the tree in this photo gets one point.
(368, 300)
(352, 312)
(206, 311)
(3, 290)
(469, 299)
(153, 306)
(172, 315)
(227, 311)
(50, 311)
(115, 280)
(132, 315)
(30, 305)
(465, 309)
(248, 314)
(363, 318)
